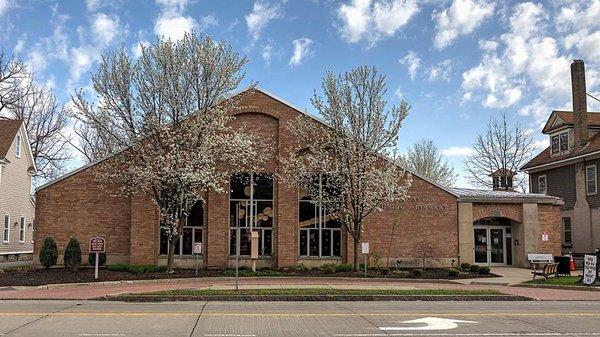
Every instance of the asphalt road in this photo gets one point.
(214, 319)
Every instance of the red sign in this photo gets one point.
(97, 245)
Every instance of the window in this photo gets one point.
(320, 233)
(590, 177)
(192, 233)
(542, 186)
(555, 144)
(251, 209)
(6, 231)
(567, 238)
(560, 143)
(18, 146)
(22, 230)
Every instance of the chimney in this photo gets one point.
(579, 104)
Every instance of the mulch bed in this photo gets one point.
(37, 277)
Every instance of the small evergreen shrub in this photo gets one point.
(48, 253)
(72, 258)
(298, 268)
(453, 272)
(101, 259)
(328, 268)
(484, 270)
(418, 272)
(474, 268)
(343, 267)
(465, 266)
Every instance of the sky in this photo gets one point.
(458, 63)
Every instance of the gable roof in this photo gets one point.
(545, 157)
(8, 131)
(560, 118)
(474, 195)
(272, 96)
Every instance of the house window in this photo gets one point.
(251, 209)
(542, 186)
(22, 230)
(555, 144)
(192, 233)
(592, 187)
(567, 238)
(560, 143)
(6, 230)
(18, 146)
(320, 233)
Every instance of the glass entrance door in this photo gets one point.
(491, 245)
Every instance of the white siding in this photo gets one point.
(15, 197)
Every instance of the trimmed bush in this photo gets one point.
(72, 258)
(484, 270)
(417, 272)
(453, 272)
(328, 268)
(465, 266)
(474, 268)
(343, 267)
(298, 268)
(48, 253)
(101, 260)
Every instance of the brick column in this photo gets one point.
(287, 225)
(143, 246)
(217, 229)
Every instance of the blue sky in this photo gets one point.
(457, 62)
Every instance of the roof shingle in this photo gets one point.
(8, 131)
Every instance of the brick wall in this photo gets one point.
(550, 223)
(486, 210)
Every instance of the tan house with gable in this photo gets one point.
(17, 206)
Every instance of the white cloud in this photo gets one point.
(524, 58)
(412, 62)
(20, 45)
(260, 16)
(267, 53)
(5, 5)
(581, 14)
(136, 49)
(456, 151)
(171, 22)
(372, 20)
(587, 44)
(440, 71)
(301, 50)
(461, 18)
(208, 21)
(104, 28)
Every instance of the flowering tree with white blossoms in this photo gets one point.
(353, 150)
(168, 114)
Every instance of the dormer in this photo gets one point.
(503, 180)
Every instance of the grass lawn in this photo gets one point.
(321, 291)
(563, 281)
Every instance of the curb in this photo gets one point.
(314, 298)
(559, 287)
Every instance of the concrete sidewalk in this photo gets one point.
(91, 291)
(508, 276)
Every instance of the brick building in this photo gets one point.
(446, 225)
(568, 167)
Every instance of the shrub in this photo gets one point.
(72, 258)
(474, 268)
(101, 259)
(465, 266)
(453, 272)
(484, 270)
(417, 272)
(344, 267)
(135, 269)
(328, 268)
(376, 264)
(298, 268)
(48, 252)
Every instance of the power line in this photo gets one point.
(593, 97)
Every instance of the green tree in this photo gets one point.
(49, 253)
(72, 258)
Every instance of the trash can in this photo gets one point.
(563, 265)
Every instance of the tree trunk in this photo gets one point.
(356, 254)
(171, 254)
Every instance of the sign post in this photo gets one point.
(197, 251)
(590, 271)
(254, 249)
(365, 250)
(97, 246)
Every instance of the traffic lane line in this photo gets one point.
(532, 334)
(358, 314)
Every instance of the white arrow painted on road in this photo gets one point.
(431, 323)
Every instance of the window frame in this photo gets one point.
(557, 144)
(18, 145)
(564, 231)
(545, 177)
(22, 225)
(560, 138)
(180, 241)
(6, 229)
(587, 180)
